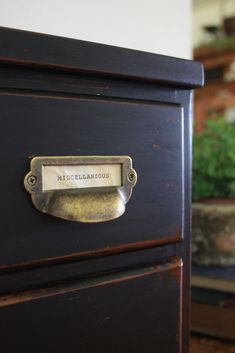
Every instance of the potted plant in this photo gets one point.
(213, 190)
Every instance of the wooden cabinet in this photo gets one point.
(117, 286)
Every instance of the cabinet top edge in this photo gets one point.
(43, 50)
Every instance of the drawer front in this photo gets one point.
(151, 134)
(134, 311)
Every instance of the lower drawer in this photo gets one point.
(132, 311)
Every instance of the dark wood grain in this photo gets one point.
(27, 48)
(112, 313)
(48, 274)
(15, 77)
(151, 134)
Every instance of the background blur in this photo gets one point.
(213, 244)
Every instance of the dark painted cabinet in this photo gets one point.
(112, 313)
(110, 287)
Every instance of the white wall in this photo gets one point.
(159, 26)
(209, 12)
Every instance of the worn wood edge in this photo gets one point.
(184, 248)
(34, 79)
(76, 270)
(34, 294)
(131, 63)
(89, 254)
(82, 97)
(181, 318)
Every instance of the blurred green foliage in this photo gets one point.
(214, 161)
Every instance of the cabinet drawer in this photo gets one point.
(124, 312)
(151, 134)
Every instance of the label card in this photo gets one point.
(58, 177)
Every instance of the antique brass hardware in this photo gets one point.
(86, 189)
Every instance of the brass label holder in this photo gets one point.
(85, 189)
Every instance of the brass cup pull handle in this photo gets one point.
(86, 189)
